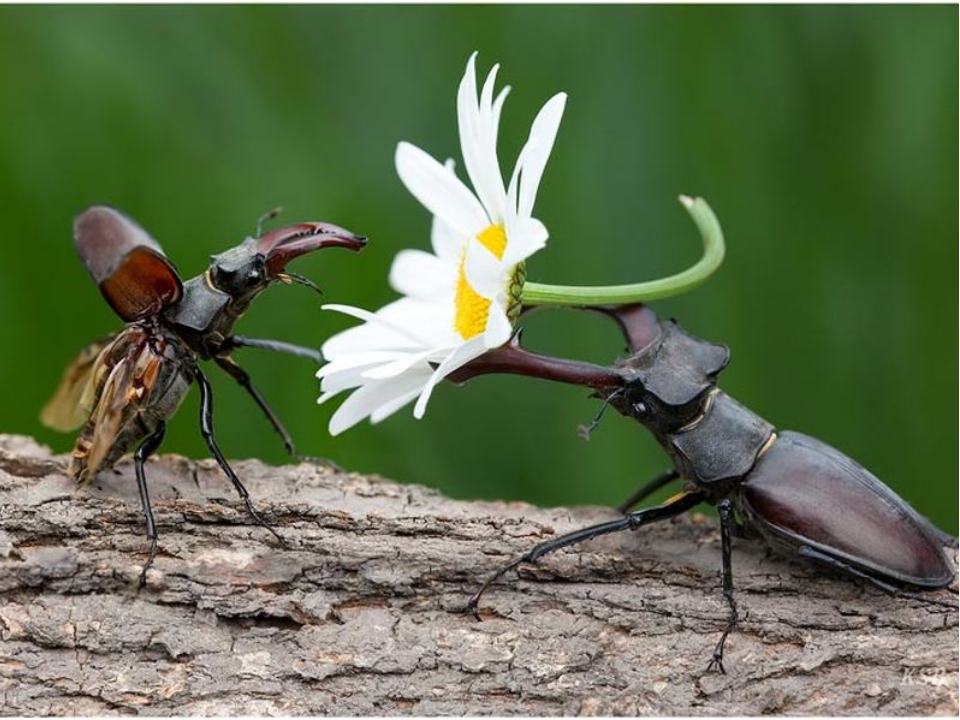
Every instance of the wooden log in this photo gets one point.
(361, 613)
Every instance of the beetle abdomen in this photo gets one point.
(137, 387)
(805, 492)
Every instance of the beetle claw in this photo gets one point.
(717, 664)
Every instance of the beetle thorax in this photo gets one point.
(214, 301)
(667, 384)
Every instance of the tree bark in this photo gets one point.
(361, 613)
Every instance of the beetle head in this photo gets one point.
(245, 271)
(640, 402)
(667, 383)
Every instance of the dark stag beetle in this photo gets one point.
(126, 386)
(805, 499)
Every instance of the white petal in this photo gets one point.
(430, 321)
(468, 121)
(355, 360)
(525, 237)
(483, 270)
(537, 151)
(512, 192)
(439, 190)
(349, 372)
(404, 326)
(404, 363)
(390, 407)
(498, 329)
(497, 109)
(421, 274)
(447, 243)
(326, 396)
(458, 358)
(478, 139)
(366, 338)
(378, 321)
(486, 96)
(369, 398)
(490, 179)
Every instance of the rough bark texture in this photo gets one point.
(361, 612)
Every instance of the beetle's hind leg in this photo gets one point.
(726, 571)
(206, 429)
(676, 505)
(147, 448)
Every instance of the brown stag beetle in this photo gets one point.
(805, 499)
(126, 386)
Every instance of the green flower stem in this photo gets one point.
(571, 295)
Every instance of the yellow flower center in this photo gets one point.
(472, 310)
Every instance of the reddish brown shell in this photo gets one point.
(808, 493)
(128, 265)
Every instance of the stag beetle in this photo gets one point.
(802, 497)
(126, 386)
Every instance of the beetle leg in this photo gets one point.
(646, 490)
(726, 521)
(235, 341)
(243, 378)
(809, 553)
(676, 505)
(145, 450)
(206, 429)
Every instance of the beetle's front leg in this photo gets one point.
(677, 505)
(238, 341)
(242, 377)
(648, 489)
(725, 510)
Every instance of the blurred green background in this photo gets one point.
(824, 138)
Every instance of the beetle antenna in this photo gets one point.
(584, 430)
(267, 217)
(294, 278)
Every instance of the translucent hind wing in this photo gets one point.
(73, 400)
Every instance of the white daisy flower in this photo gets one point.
(461, 300)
